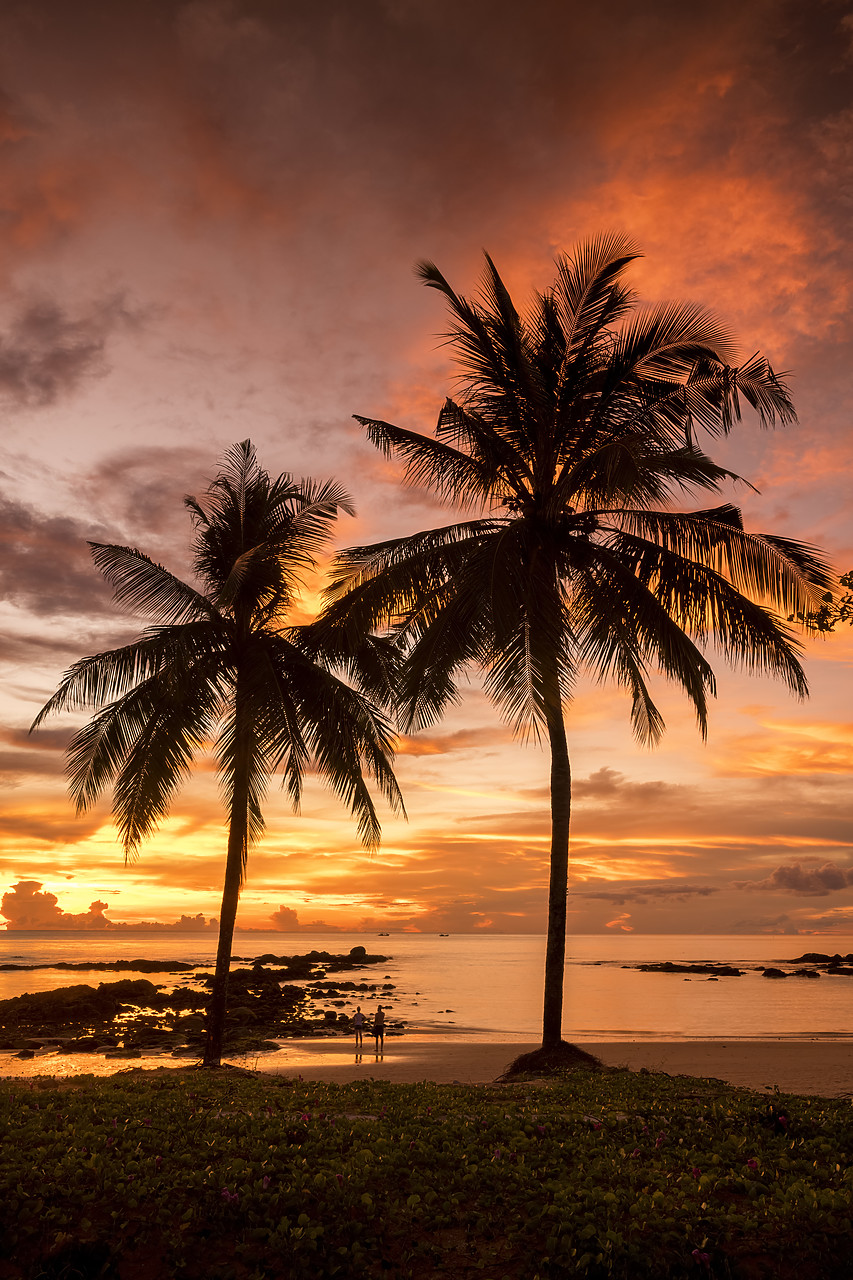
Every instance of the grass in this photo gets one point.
(212, 1176)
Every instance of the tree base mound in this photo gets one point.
(553, 1061)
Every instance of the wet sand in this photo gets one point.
(820, 1067)
(824, 1068)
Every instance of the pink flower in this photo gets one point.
(635, 1153)
(697, 1173)
(266, 1182)
(752, 1164)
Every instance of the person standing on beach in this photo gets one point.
(379, 1027)
(358, 1025)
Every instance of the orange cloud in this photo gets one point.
(791, 748)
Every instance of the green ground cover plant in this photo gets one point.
(230, 1175)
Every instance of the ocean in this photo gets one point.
(488, 987)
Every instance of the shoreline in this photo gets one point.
(823, 1068)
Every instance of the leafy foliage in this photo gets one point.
(832, 611)
(613, 1175)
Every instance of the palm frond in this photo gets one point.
(455, 476)
(788, 576)
(588, 294)
(173, 721)
(99, 679)
(140, 584)
(346, 735)
(620, 644)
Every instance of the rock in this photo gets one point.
(80, 1003)
(667, 966)
(192, 1023)
(240, 1014)
(773, 973)
(25, 1053)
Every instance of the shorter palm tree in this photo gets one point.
(223, 667)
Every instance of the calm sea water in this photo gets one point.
(489, 987)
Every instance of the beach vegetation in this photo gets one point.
(835, 609)
(573, 440)
(228, 1176)
(227, 667)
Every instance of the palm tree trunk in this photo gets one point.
(235, 862)
(561, 805)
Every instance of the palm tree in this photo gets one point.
(222, 665)
(575, 428)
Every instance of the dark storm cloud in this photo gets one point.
(802, 878)
(46, 352)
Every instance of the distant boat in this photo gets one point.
(444, 935)
(383, 935)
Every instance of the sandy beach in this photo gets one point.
(820, 1067)
(824, 1068)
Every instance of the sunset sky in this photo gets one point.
(209, 216)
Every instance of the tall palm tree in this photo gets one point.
(575, 428)
(222, 666)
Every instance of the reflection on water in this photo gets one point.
(489, 987)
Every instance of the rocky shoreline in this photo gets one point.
(818, 961)
(276, 998)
